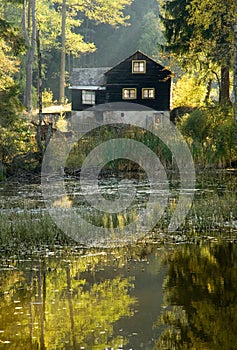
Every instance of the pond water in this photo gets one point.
(177, 293)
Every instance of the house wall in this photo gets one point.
(85, 120)
(76, 100)
(156, 77)
(77, 104)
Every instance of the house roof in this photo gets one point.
(89, 76)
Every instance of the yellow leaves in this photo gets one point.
(63, 202)
(62, 124)
(107, 11)
(188, 91)
(102, 11)
(49, 23)
(8, 65)
(76, 45)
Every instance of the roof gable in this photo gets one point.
(138, 55)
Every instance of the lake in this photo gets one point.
(170, 291)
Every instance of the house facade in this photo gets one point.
(138, 79)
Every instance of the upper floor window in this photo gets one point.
(129, 94)
(139, 66)
(148, 93)
(88, 97)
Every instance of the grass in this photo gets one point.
(29, 227)
(24, 230)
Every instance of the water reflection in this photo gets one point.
(173, 297)
(200, 298)
(78, 302)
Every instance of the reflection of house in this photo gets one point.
(138, 79)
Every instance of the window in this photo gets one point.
(139, 66)
(129, 94)
(88, 97)
(148, 93)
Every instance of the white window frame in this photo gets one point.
(139, 67)
(127, 94)
(146, 93)
(88, 97)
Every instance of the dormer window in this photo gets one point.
(139, 66)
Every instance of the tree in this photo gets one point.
(59, 26)
(152, 36)
(11, 45)
(143, 33)
(213, 22)
(12, 128)
(201, 35)
(100, 11)
(235, 70)
(29, 29)
(71, 40)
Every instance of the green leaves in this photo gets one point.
(210, 134)
(202, 31)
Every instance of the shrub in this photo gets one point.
(210, 133)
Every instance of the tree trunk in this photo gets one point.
(40, 119)
(29, 26)
(225, 85)
(235, 74)
(208, 91)
(63, 56)
(28, 89)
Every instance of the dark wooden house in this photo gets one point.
(138, 79)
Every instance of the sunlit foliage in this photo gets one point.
(188, 91)
(210, 132)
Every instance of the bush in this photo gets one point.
(210, 133)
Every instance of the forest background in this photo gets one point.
(41, 41)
